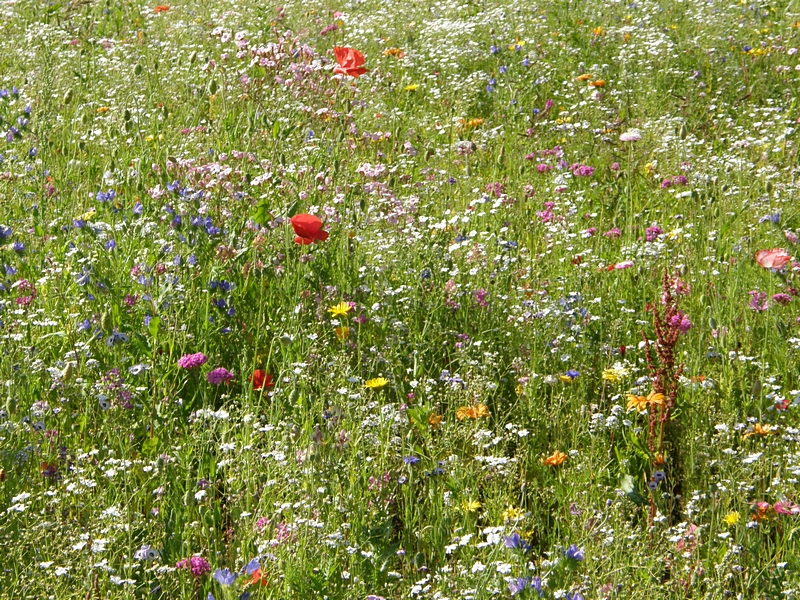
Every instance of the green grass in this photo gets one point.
(478, 272)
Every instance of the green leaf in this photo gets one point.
(150, 446)
(154, 323)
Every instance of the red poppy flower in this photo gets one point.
(308, 229)
(258, 577)
(261, 379)
(351, 62)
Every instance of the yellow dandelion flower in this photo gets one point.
(340, 310)
(411, 87)
(732, 518)
(471, 505)
(513, 514)
(376, 383)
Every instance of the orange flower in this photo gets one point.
(351, 62)
(342, 333)
(598, 83)
(161, 8)
(434, 421)
(556, 459)
(396, 52)
(759, 429)
(584, 77)
(472, 412)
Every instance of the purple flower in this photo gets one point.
(219, 376)
(574, 553)
(196, 564)
(758, 301)
(614, 232)
(190, 361)
(515, 542)
(410, 460)
(652, 233)
(518, 584)
(224, 576)
(252, 566)
(782, 299)
(681, 321)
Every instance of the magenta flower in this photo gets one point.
(190, 361)
(758, 301)
(613, 233)
(543, 168)
(651, 233)
(782, 299)
(198, 565)
(681, 322)
(219, 376)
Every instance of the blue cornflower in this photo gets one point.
(515, 542)
(425, 274)
(224, 576)
(574, 553)
(138, 209)
(410, 460)
(19, 247)
(5, 233)
(572, 373)
(494, 49)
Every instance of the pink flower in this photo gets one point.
(758, 301)
(198, 565)
(652, 233)
(782, 299)
(790, 236)
(219, 376)
(625, 264)
(613, 233)
(190, 361)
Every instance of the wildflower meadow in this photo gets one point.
(456, 299)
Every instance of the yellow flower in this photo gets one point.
(411, 87)
(340, 310)
(640, 403)
(598, 31)
(88, 215)
(376, 383)
(471, 505)
(513, 514)
(565, 378)
(615, 374)
(103, 109)
(556, 459)
(732, 518)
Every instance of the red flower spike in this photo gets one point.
(351, 62)
(308, 229)
(261, 379)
